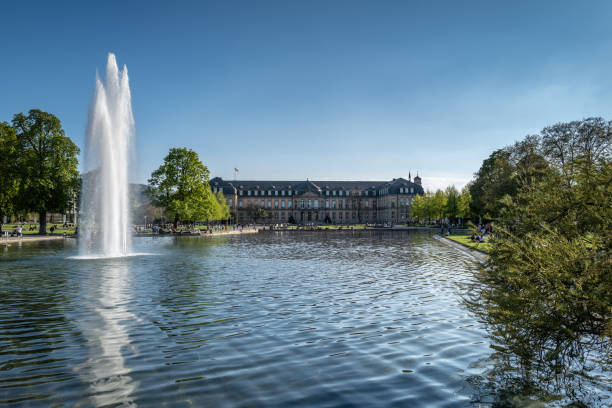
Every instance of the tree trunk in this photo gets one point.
(1, 221)
(43, 223)
(176, 220)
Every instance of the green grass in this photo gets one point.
(59, 230)
(464, 239)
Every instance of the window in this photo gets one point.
(240, 203)
(302, 204)
(275, 192)
(241, 192)
(309, 204)
(269, 192)
(283, 204)
(333, 203)
(283, 192)
(340, 216)
(367, 216)
(229, 202)
(289, 192)
(316, 204)
(249, 192)
(269, 203)
(334, 192)
(276, 204)
(333, 216)
(326, 203)
(263, 203)
(327, 193)
(367, 203)
(411, 190)
(289, 204)
(256, 192)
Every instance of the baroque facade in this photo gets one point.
(319, 202)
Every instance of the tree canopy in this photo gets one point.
(180, 186)
(548, 284)
(8, 170)
(46, 165)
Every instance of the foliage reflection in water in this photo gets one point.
(274, 319)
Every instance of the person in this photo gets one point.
(19, 234)
(52, 229)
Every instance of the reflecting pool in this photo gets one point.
(269, 319)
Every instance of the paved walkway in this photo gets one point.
(31, 238)
(480, 256)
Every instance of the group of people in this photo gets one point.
(188, 228)
(481, 233)
(18, 232)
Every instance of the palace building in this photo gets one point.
(319, 202)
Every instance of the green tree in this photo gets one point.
(256, 213)
(493, 181)
(180, 186)
(47, 165)
(451, 208)
(8, 171)
(417, 209)
(464, 203)
(222, 210)
(438, 204)
(547, 289)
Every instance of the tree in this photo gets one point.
(47, 165)
(547, 291)
(451, 208)
(222, 210)
(417, 209)
(493, 181)
(464, 203)
(180, 186)
(438, 203)
(8, 170)
(255, 213)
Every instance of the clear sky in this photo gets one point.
(317, 89)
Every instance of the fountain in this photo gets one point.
(105, 217)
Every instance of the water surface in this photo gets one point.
(274, 319)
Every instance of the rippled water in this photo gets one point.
(274, 319)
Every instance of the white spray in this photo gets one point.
(104, 229)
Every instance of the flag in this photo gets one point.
(236, 170)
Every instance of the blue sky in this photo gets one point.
(320, 90)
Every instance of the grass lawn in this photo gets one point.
(464, 239)
(59, 230)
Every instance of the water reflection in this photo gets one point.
(537, 355)
(104, 326)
